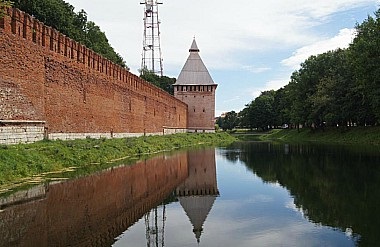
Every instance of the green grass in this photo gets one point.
(353, 135)
(25, 160)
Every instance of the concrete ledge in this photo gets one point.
(13, 122)
(74, 136)
(15, 134)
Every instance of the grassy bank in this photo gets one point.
(25, 160)
(355, 135)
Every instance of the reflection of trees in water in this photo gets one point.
(334, 186)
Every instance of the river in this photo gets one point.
(248, 194)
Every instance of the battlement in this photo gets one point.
(21, 24)
(47, 76)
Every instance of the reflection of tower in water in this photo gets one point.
(199, 191)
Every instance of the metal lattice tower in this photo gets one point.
(151, 54)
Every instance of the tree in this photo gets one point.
(229, 121)
(4, 4)
(163, 82)
(260, 112)
(365, 54)
(281, 107)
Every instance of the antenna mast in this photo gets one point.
(151, 54)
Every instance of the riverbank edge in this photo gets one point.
(26, 160)
(352, 135)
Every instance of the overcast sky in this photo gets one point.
(248, 46)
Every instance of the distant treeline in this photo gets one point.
(336, 88)
(61, 16)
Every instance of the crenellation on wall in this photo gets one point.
(28, 27)
(75, 90)
(36, 32)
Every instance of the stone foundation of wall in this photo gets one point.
(16, 131)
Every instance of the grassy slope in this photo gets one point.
(357, 135)
(24, 160)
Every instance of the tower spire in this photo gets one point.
(194, 46)
(151, 53)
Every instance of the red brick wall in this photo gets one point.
(47, 76)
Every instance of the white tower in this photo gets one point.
(151, 54)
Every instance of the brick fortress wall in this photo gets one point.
(46, 76)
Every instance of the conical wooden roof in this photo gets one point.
(194, 72)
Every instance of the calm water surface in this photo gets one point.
(249, 194)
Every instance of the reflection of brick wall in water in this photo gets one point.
(46, 76)
(92, 211)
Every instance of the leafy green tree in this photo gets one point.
(281, 107)
(163, 82)
(229, 121)
(365, 51)
(245, 118)
(260, 112)
(4, 4)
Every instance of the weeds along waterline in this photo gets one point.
(21, 161)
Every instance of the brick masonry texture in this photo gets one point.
(201, 106)
(46, 76)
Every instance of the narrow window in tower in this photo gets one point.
(204, 110)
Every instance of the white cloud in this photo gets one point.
(342, 40)
(269, 85)
(255, 69)
(222, 27)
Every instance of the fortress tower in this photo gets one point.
(196, 88)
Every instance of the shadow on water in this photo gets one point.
(337, 186)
